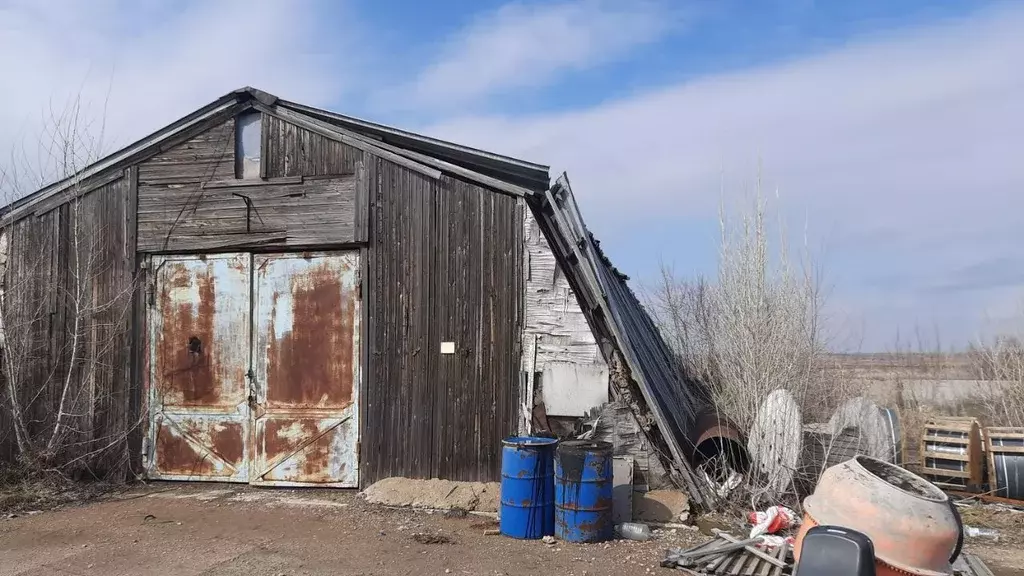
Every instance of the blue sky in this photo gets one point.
(891, 131)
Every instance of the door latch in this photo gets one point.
(251, 377)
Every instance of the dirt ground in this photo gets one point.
(172, 529)
(176, 529)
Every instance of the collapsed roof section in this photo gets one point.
(627, 334)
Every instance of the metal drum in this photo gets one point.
(527, 487)
(583, 491)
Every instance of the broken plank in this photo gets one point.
(751, 549)
(781, 556)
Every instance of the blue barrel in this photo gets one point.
(583, 491)
(527, 487)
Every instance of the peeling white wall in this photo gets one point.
(574, 377)
(557, 341)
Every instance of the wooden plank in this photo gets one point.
(978, 565)
(362, 200)
(782, 555)
(945, 440)
(323, 211)
(242, 183)
(750, 548)
(945, 456)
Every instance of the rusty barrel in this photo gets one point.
(583, 491)
(527, 487)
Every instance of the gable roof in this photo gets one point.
(424, 154)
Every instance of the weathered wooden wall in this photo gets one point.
(67, 323)
(443, 263)
(445, 266)
(190, 201)
(293, 151)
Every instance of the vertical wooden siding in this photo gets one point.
(74, 260)
(292, 151)
(445, 265)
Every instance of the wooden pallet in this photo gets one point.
(957, 442)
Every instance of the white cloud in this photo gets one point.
(903, 152)
(138, 66)
(527, 45)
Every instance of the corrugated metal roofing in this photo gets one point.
(620, 321)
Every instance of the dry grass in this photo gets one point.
(755, 328)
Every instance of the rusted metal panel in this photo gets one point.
(307, 369)
(199, 347)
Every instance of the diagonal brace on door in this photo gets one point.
(302, 446)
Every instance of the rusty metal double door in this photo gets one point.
(254, 368)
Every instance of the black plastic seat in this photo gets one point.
(836, 551)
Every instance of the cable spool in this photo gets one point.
(879, 428)
(1005, 447)
(951, 453)
(774, 443)
(821, 450)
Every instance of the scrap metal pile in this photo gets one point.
(729, 555)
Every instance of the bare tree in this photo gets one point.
(754, 328)
(999, 362)
(62, 314)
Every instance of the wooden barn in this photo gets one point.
(270, 293)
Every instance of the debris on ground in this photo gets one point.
(633, 531)
(456, 513)
(975, 532)
(549, 540)
(772, 521)
(726, 554)
(970, 565)
(435, 494)
(427, 538)
(1006, 520)
(661, 506)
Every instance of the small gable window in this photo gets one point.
(248, 140)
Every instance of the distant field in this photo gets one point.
(941, 382)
